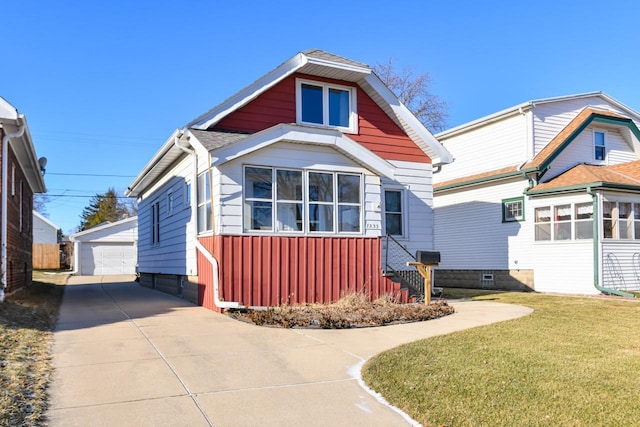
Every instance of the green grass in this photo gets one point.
(574, 361)
(27, 318)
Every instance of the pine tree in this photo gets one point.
(103, 208)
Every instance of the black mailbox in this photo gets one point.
(428, 257)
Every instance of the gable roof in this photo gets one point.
(11, 121)
(552, 150)
(573, 129)
(46, 220)
(620, 176)
(320, 63)
(232, 146)
(133, 221)
(528, 105)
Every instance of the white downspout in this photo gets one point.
(199, 246)
(5, 189)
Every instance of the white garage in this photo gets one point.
(107, 249)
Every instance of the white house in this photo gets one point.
(543, 195)
(44, 231)
(283, 192)
(106, 249)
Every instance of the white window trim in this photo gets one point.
(353, 102)
(13, 179)
(207, 181)
(155, 222)
(305, 204)
(170, 203)
(605, 160)
(186, 189)
(505, 202)
(404, 212)
(553, 223)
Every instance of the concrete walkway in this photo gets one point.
(125, 355)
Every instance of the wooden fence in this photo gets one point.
(46, 256)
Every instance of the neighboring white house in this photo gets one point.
(544, 195)
(44, 231)
(289, 187)
(106, 249)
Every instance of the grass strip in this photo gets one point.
(575, 361)
(27, 319)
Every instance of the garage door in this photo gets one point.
(107, 258)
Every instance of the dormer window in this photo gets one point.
(326, 105)
(598, 143)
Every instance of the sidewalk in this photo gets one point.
(125, 355)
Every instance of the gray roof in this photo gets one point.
(211, 139)
(326, 56)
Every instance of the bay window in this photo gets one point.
(305, 201)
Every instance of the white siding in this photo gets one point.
(564, 267)
(416, 179)
(561, 266)
(581, 150)
(551, 118)
(43, 231)
(620, 265)
(175, 254)
(490, 147)
(470, 234)
(228, 179)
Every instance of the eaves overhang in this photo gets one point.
(593, 118)
(583, 187)
(156, 167)
(309, 136)
(523, 174)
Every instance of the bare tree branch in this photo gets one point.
(414, 91)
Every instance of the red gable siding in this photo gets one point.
(376, 131)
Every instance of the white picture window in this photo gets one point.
(295, 201)
(187, 194)
(327, 105)
(542, 223)
(600, 151)
(562, 222)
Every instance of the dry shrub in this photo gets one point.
(352, 310)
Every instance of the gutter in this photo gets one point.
(194, 218)
(596, 252)
(5, 189)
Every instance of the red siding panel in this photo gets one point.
(376, 131)
(270, 270)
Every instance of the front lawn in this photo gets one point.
(575, 361)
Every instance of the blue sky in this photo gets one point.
(103, 84)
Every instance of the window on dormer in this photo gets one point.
(598, 143)
(326, 105)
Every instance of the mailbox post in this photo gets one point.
(423, 263)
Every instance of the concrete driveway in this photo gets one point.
(125, 355)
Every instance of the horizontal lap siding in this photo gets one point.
(270, 270)
(377, 132)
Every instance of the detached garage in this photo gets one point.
(107, 249)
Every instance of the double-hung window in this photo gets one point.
(600, 152)
(297, 201)
(328, 105)
(204, 203)
(393, 219)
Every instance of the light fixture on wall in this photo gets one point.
(42, 161)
